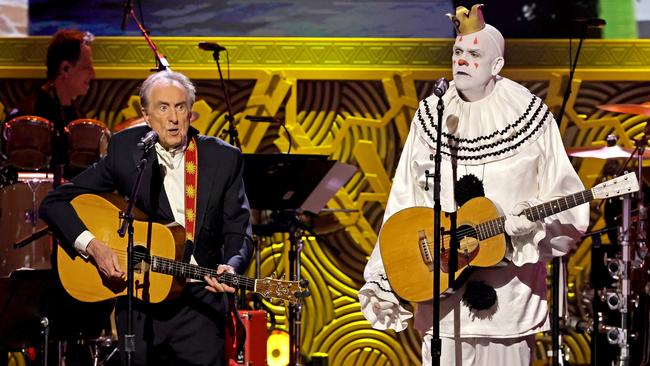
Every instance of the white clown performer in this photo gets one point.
(499, 141)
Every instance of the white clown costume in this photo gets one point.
(511, 143)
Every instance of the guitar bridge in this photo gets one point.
(425, 250)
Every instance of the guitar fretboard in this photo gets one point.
(186, 270)
(495, 227)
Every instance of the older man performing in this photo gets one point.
(191, 328)
(499, 141)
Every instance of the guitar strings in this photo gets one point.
(469, 232)
(177, 267)
(499, 222)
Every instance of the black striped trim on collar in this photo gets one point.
(459, 148)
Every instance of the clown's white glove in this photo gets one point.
(382, 312)
(516, 223)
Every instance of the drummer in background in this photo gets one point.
(69, 72)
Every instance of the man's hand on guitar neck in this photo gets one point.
(516, 223)
(216, 286)
(105, 259)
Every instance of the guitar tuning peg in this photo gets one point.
(302, 294)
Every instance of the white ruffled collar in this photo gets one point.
(493, 128)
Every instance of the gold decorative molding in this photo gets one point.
(333, 58)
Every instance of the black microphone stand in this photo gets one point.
(126, 218)
(555, 264)
(233, 134)
(161, 62)
(437, 210)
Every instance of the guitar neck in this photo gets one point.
(186, 270)
(495, 227)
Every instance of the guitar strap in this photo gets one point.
(234, 337)
(191, 179)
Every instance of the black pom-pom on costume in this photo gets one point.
(468, 187)
(479, 296)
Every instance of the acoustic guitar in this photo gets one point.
(406, 239)
(158, 248)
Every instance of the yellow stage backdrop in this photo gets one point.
(352, 100)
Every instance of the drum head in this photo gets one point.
(28, 142)
(87, 142)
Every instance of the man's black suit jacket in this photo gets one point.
(222, 231)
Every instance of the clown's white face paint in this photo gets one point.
(476, 61)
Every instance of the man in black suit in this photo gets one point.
(190, 329)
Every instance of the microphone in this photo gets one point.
(591, 22)
(148, 140)
(125, 16)
(440, 87)
(267, 119)
(211, 46)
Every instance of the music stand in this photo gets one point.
(293, 184)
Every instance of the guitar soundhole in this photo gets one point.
(141, 258)
(468, 246)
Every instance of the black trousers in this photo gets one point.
(189, 330)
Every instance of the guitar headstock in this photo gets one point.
(618, 186)
(290, 291)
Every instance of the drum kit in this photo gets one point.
(27, 147)
(25, 256)
(616, 301)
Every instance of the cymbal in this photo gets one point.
(642, 109)
(604, 152)
(600, 152)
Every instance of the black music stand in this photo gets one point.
(291, 185)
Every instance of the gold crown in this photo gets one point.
(468, 21)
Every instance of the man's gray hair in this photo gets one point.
(169, 77)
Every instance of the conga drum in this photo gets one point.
(128, 123)
(28, 142)
(87, 142)
(19, 219)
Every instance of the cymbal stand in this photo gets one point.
(556, 335)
